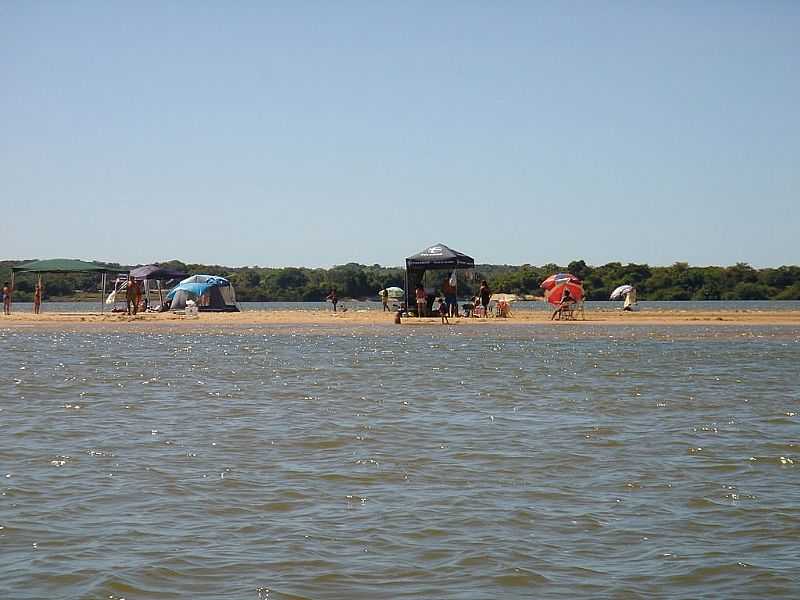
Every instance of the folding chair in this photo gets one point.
(571, 311)
(577, 310)
(567, 312)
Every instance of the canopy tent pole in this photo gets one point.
(408, 303)
(103, 293)
(160, 294)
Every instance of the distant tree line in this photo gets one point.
(291, 284)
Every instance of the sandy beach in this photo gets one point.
(156, 321)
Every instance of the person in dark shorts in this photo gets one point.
(443, 311)
(450, 299)
(485, 294)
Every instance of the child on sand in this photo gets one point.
(443, 310)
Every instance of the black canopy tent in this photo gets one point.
(158, 274)
(434, 258)
(62, 265)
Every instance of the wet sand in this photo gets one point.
(157, 321)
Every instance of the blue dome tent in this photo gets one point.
(209, 292)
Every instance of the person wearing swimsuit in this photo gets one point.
(131, 296)
(6, 298)
(422, 301)
(37, 299)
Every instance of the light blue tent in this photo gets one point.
(210, 292)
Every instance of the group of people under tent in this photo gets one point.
(448, 302)
(135, 299)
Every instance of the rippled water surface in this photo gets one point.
(422, 462)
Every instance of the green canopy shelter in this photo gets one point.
(62, 265)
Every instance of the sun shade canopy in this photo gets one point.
(439, 256)
(60, 265)
(155, 272)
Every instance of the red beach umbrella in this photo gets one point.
(558, 279)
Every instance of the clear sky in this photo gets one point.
(315, 133)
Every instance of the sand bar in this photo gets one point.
(172, 321)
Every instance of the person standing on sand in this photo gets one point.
(7, 289)
(630, 300)
(449, 291)
(485, 294)
(422, 300)
(385, 299)
(130, 296)
(37, 298)
(138, 288)
(333, 298)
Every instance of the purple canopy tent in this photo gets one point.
(158, 274)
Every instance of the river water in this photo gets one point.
(427, 462)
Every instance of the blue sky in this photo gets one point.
(319, 133)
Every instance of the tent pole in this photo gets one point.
(103, 294)
(407, 301)
(160, 295)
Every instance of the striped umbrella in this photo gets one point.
(558, 279)
(621, 291)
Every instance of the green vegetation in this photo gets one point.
(676, 282)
